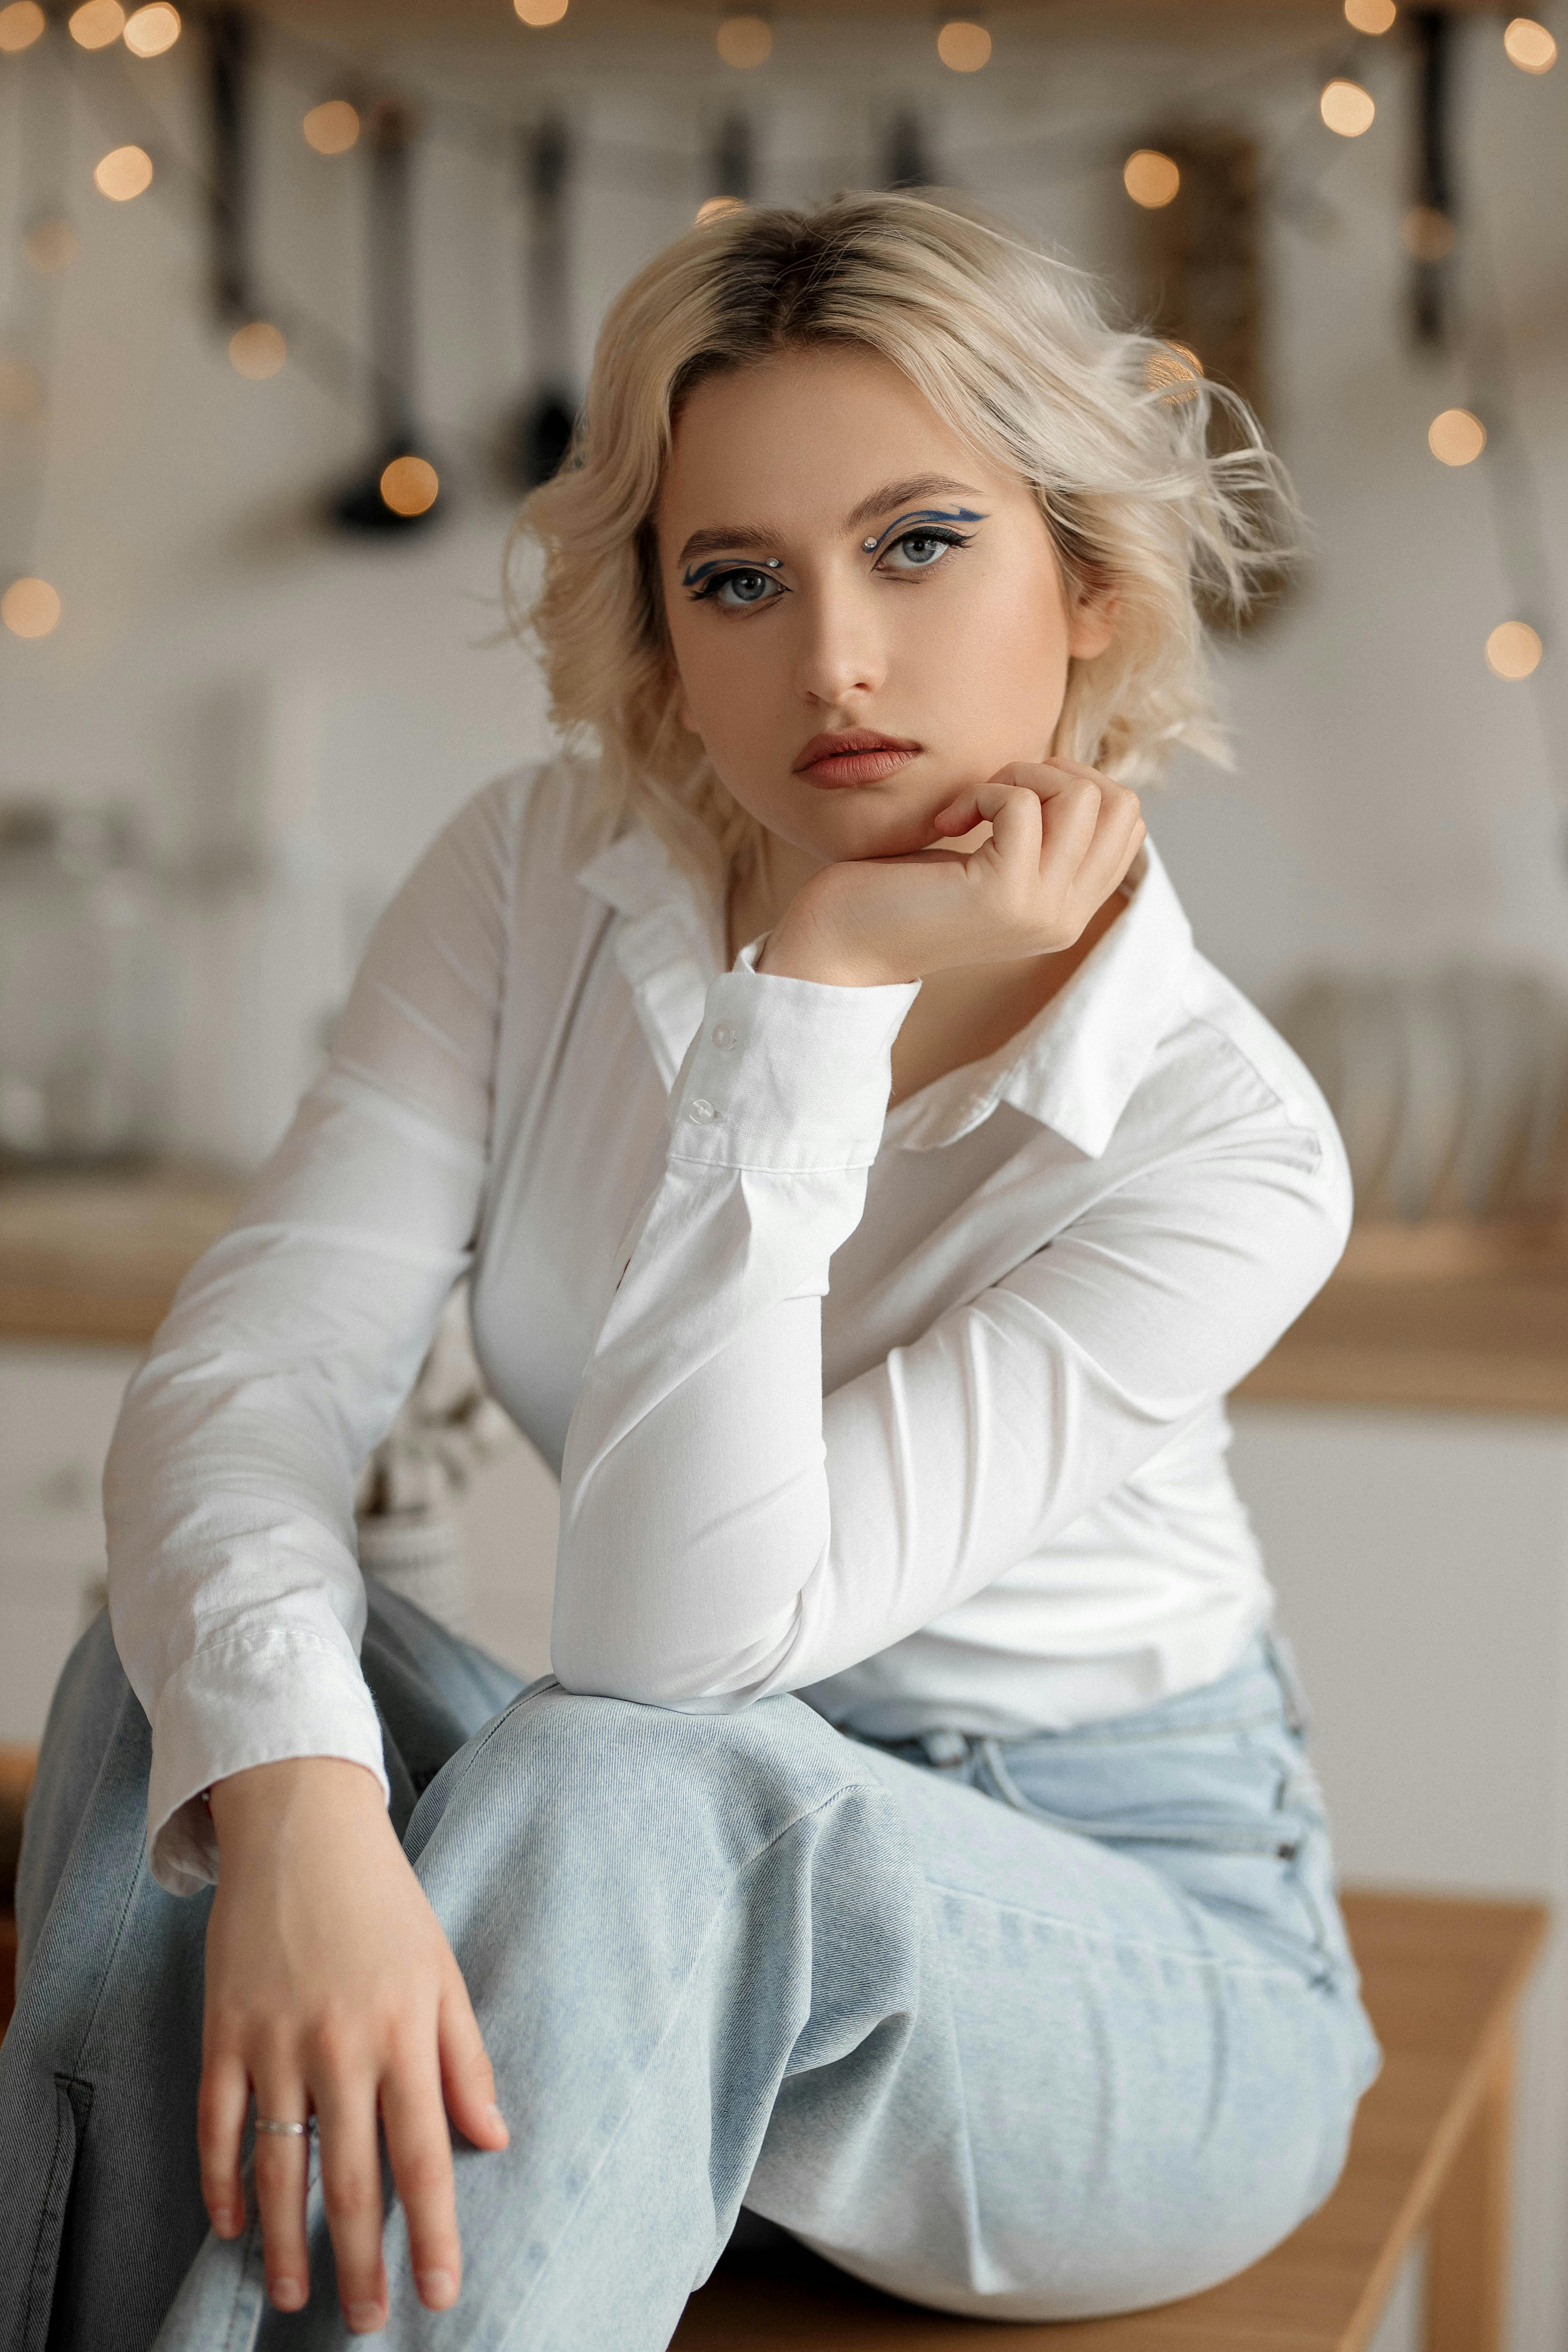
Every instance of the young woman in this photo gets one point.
(914, 1842)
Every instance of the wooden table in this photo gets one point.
(99, 1257)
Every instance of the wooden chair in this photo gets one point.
(1443, 1980)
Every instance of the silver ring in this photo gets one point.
(284, 2131)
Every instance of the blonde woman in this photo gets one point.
(869, 1197)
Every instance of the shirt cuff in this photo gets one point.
(787, 1074)
(301, 1696)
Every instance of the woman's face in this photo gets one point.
(838, 561)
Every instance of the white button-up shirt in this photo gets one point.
(917, 1412)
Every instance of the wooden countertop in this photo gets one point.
(99, 1257)
(1470, 1318)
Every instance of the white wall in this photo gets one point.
(1391, 799)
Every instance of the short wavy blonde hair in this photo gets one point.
(1112, 429)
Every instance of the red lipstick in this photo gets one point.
(856, 755)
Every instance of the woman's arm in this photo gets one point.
(238, 1606)
(727, 1533)
(235, 1591)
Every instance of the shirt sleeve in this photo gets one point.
(726, 1531)
(235, 1589)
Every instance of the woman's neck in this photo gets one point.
(962, 1014)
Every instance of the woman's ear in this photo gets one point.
(1093, 624)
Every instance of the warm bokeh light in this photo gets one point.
(123, 173)
(1456, 437)
(1150, 178)
(30, 608)
(745, 41)
(540, 11)
(1513, 650)
(1347, 108)
(257, 351)
(21, 387)
(1530, 45)
(96, 23)
(1428, 234)
(1370, 16)
(51, 245)
(410, 486)
(1173, 371)
(964, 46)
(333, 127)
(717, 208)
(149, 31)
(20, 25)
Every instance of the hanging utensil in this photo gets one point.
(907, 159)
(388, 496)
(541, 434)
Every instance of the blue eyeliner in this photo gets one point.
(924, 514)
(728, 563)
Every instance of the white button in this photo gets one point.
(725, 1035)
(702, 1111)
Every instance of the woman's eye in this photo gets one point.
(735, 591)
(921, 550)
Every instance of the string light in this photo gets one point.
(1530, 45)
(1347, 108)
(151, 30)
(964, 46)
(331, 128)
(1513, 650)
(21, 388)
(123, 173)
(537, 13)
(410, 486)
(1456, 437)
(719, 208)
(257, 350)
(51, 245)
(1370, 16)
(745, 41)
(30, 608)
(20, 25)
(96, 23)
(1150, 178)
(1173, 372)
(1427, 234)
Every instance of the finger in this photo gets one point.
(1015, 821)
(1117, 838)
(221, 2102)
(421, 2152)
(468, 2082)
(345, 2092)
(282, 2174)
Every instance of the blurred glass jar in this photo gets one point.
(83, 987)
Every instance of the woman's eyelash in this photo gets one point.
(948, 537)
(718, 580)
(943, 534)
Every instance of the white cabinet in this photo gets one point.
(57, 1405)
(1421, 1560)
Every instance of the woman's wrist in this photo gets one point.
(807, 944)
(257, 1805)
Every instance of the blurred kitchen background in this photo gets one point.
(295, 298)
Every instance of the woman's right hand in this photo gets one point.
(331, 1990)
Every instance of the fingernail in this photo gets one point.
(495, 2119)
(365, 2318)
(286, 2294)
(438, 2288)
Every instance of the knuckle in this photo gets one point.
(424, 2172)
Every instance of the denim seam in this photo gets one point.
(1099, 1935)
(677, 2010)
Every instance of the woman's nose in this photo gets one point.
(841, 650)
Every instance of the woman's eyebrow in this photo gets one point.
(906, 494)
(730, 537)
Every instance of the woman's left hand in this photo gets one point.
(1062, 838)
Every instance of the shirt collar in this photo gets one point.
(1073, 1068)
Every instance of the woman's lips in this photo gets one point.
(856, 758)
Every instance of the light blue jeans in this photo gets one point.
(1020, 2029)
